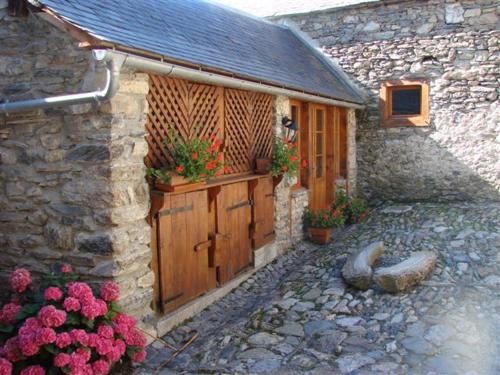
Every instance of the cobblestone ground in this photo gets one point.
(297, 315)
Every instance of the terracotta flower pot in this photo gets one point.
(320, 236)
(262, 165)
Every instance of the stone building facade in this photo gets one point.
(455, 46)
(72, 179)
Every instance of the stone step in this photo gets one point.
(406, 274)
(357, 271)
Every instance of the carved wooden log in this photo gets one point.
(406, 274)
(357, 271)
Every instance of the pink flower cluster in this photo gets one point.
(5, 367)
(20, 280)
(110, 291)
(82, 299)
(53, 293)
(8, 312)
(88, 347)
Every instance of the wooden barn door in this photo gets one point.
(233, 224)
(318, 132)
(262, 211)
(182, 225)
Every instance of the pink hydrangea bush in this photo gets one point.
(65, 328)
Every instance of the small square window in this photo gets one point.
(404, 103)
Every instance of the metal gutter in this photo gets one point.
(112, 78)
(146, 64)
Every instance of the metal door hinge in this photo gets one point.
(173, 211)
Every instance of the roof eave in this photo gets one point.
(87, 40)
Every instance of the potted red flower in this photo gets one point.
(320, 224)
(196, 161)
(262, 165)
(354, 210)
(285, 159)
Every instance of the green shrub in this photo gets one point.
(285, 158)
(354, 209)
(323, 218)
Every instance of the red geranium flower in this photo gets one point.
(194, 156)
(179, 169)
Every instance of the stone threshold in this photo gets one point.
(262, 257)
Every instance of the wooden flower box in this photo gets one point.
(178, 184)
(320, 236)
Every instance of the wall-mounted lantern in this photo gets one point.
(292, 130)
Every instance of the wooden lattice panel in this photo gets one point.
(242, 119)
(237, 149)
(261, 125)
(188, 108)
(248, 128)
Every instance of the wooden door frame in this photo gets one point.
(333, 119)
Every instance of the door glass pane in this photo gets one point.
(406, 101)
(319, 120)
(319, 143)
(319, 166)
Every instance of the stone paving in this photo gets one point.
(297, 316)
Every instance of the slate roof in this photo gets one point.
(208, 35)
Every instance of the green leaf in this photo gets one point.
(89, 323)
(31, 308)
(6, 328)
(50, 348)
(73, 319)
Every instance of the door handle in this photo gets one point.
(203, 245)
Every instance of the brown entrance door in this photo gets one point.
(318, 132)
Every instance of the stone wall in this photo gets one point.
(455, 44)
(289, 202)
(72, 185)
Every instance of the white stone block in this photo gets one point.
(454, 13)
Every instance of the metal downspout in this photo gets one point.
(113, 68)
